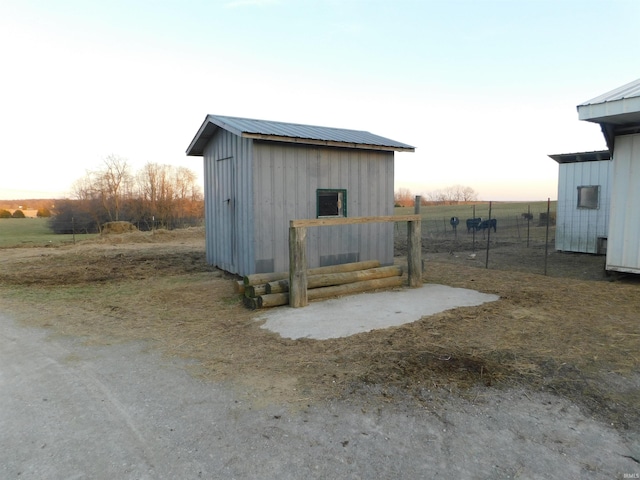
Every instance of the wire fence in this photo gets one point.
(473, 231)
(516, 237)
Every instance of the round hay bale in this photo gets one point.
(118, 227)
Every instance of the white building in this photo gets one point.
(584, 193)
(618, 114)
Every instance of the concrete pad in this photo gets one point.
(341, 317)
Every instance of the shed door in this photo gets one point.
(227, 213)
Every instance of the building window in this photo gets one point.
(589, 197)
(332, 203)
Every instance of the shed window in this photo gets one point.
(332, 203)
(589, 197)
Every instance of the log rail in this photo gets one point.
(298, 275)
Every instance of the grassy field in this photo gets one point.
(512, 227)
(481, 209)
(35, 232)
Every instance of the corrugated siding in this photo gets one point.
(623, 249)
(578, 229)
(228, 203)
(286, 178)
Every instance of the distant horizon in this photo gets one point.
(517, 190)
(38, 199)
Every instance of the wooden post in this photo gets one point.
(417, 204)
(298, 267)
(414, 254)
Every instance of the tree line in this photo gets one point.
(157, 196)
(18, 213)
(452, 195)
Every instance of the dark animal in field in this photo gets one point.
(491, 223)
(473, 223)
(527, 216)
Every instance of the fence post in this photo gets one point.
(473, 230)
(298, 267)
(528, 223)
(414, 260)
(546, 238)
(486, 262)
(417, 204)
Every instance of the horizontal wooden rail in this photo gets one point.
(322, 222)
(338, 278)
(260, 278)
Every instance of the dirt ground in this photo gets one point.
(573, 333)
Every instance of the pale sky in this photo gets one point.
(484, 90)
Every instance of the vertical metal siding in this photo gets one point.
(268, 184)
(209, 206)
(623, 246)
(286, 180)
(578, 229)
(229, 227)
(263, 199)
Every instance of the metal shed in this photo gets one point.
(584, 186)
(261, 174)
(618, 113)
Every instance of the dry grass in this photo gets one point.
(578, 338)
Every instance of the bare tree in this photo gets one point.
(187, 192)
(453, 194)
(113, 183)
(403, 197)
(437, 197)
(469, 194)
(169, 192)
(87, 198)
(147, 182)
(158, 195)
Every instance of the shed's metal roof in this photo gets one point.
(594, 156)
(291, 133)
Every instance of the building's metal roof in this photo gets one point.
(594, 156)
(629, 90)
(617, 112)
(292, 133)
(619, 106)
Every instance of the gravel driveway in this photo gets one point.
(75, 411)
